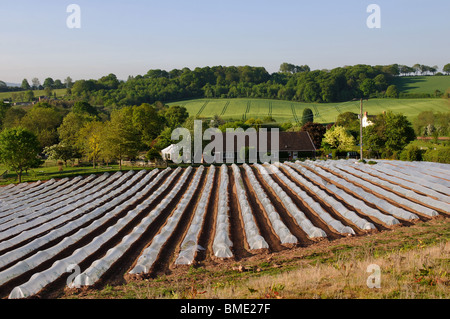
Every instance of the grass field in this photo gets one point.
(7, 95)
(422, 84)
(286, 111)
(50, 170)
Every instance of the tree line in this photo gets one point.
(291, 82)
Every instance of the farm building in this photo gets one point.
(291, 145)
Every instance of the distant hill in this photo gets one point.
(13, 84)
(422, 84)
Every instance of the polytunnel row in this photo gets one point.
(47, 194)
(437, 204)
(278, 226)
(222, 243)
(99, 267)
(114, 207)
(254, 238)
(32, 217)
(432, 171)
(375, 184)
(11, 190)
(313, 205)
(27, 212)
(26, 229)
(347, 214)
(368, 197)
(351, 200)
(40, 280)
(150, 254)
(190, 246)
(414, 182)
(304, 223)
(67, 210)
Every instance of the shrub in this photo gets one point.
(412, 153)
(439, 155)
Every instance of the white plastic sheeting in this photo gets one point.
(368, 197)
(278, 226)
(42, 279)
(434, 172)
(411, 181)
(150, 254)
(67, 210)
(406, 192)
(22, 214)
(336, 205)
(222, 243)
(254, 238)
(190, 246)
(323, 215)
(26, 199)
(60, 188)
(304, 223)
(357, 203)
(24, 193)
(348, 171)
(116, 207)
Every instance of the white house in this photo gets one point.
(366, 120)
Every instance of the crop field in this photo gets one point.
(286, 111)
(86, 232)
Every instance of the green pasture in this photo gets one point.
(422, 84)
(286, 111)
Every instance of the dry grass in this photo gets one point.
(420, 273)
(414, 263)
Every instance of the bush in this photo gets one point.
(439, 155)
(412, 153)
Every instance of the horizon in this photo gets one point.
(128, 39)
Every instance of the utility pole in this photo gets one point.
(361, 130)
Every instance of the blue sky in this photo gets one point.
(131, 37)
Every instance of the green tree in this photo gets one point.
(121, 138)
(307, 116)
(29, 95)
(392, 91)
(367, 87)
(339, 138)
(68, 82)
(148, 122)
(390, 133)
(90, 140)
(63, 152)
(19, 150)
(84, 108)
(446, 68)
(25, 85)
(48, 83)
(43, 121)
(175, 116)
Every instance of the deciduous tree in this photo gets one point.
(19, 150)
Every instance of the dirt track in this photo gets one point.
(117, 273)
